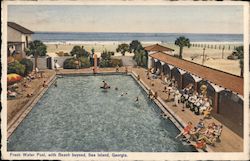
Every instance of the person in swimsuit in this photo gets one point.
(186, 130)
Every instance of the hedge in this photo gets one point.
(16, 67)
(28, 65)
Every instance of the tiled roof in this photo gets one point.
(226, 80)
(157, 47)
(19, 28)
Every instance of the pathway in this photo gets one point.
(127, 60)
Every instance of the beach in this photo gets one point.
(214, 58)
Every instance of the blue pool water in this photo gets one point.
(79, 116)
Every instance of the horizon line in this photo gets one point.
(135, 32)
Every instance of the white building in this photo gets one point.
(18, 38)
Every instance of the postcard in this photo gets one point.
(125, 80)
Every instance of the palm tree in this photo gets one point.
(36, 48)
(135, 45)
(182, 42)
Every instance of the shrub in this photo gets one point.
(61, 53)
(70, 63)
(115, 62)
(85, 62)
(28, 65)
(79, 52)
(232, 57)
(105, 63)
(105, 59)
(16, 67)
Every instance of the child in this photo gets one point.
(44, 84)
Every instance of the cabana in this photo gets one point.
(223, 89)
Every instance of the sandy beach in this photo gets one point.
(213, 57)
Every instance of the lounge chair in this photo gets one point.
(38, 71)
(11, 94)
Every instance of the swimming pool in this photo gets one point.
(79, 116)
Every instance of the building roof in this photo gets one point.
(157, 47)
(226, 80)
(19, 28)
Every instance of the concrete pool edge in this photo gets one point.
(21, 115)
(176, 120)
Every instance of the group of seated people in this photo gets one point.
(12, 90)
(198, 103)
(201, 135)
(154, 73)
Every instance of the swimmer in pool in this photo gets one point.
(55, 84)
(124, 94)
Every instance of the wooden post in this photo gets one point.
(216, 103)
(222, 54)
(181, 82)
(203, 56)
(95, 63)
(196, 86)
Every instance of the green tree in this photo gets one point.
(28, 65)
(239, 51)
(123, 48)
(105, 59)
(140, 57)
(135, 45)
(92, 52)
(182, 42)
(79, 52)
(36, 48)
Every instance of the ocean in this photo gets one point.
(90, 37)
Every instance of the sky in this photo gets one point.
(118, 18)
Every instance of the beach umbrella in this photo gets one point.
(12, 78)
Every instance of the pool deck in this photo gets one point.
(230, 142)
(19, 108)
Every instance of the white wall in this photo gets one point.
(13, 35)
(16, 36)
(24, 38)
(41, 62)
(60, 60)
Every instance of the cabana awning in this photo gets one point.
(229, 81)
(181, 71)
(196, 79)
(216, 87)
(170, 66)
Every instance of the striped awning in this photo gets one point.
(216, 87)
(170, 66)
(181, 71)
(196, 78)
